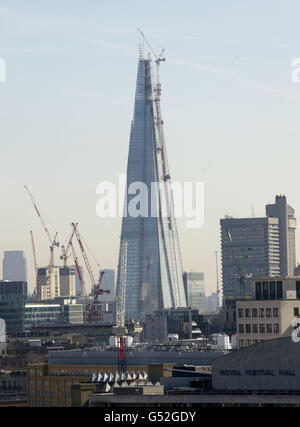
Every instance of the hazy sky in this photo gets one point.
(231, 113)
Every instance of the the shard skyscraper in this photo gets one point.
(151, 267)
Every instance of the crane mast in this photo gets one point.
(37, 277)
(92, 307)
(53, 242)
(120, 328)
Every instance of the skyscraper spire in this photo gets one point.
(154, 270)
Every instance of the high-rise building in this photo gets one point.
(212, 302)
(252, 249)
(67, 281)
(13, 297)
(78, 285)
(49, 280)
(287, 227)
(153, 260)
(108, 284)
(194, 290)
(14, 266)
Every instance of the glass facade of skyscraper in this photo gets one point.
(153, 261)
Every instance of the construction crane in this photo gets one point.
(65, 250)
(37, 277)
(85, 296)
(217, 274)
(53, 242)
(159, 123)
(120, 329)
(241, 268)
(92, 307)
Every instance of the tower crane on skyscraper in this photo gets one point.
(120, 328)
(96, 286)
(159, 122)
(53, 242)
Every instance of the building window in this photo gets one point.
(248, 343)
(241, 343)
(241, 312)
(297, 289)
(261, 328)
(279, 290)
(255, 328)
(268, 312)
(247, 312)
(269, 328)
(261, 312)
(241, 328)
(275, 312)
(276, 328)
(258, 290)
(265, 290)
(254, 312)
(248, 328)
(296, 311)
(272, 290)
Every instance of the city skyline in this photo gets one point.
(229, 105)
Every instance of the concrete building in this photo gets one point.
(164, 322)
(271, 312)
(14, 266)
(212, 303)
(195, 290)
(13, 296)
(67, 278)
(287, 227)
(49, 282)
(73, 313)
(269, 366)
(254, 245)
(108, 283)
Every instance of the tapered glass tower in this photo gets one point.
(153, 269)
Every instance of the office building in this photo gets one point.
(78, 285)
(13, 297)
(73, 313)
(14, 266)
(271, 311)
(108, 283)
(41, 315)
(149, 248)
(194, 290)
(250, 247)
(287, 228)
(212, 303)
(67, 278)
(49, 282)
(162, 323)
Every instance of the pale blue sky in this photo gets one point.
(230, 108)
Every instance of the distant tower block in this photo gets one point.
(154, 268)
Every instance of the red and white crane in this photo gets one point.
(92, 307)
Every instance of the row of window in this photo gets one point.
(258, 312)
(247, 343)
(261, 328)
